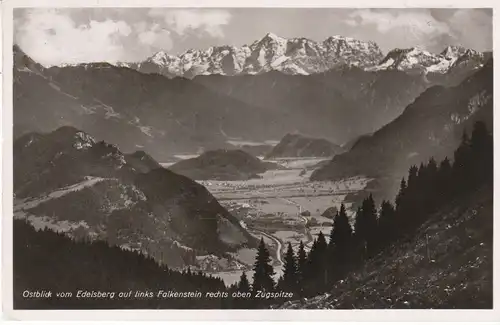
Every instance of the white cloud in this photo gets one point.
(209, 21)
(404, 27)
(416, 22)
(473, 28)
(51, 37)
(154, 36)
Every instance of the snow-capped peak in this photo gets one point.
(271, 52)
(274, 37)
(303, 56)
(83, 141)
(413, 59)
(453, 51)
(162, 58)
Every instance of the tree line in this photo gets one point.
(47, 260)
(426, 188)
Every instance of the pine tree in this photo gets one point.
(365, 227)
(263, 270)
(321, 245)
(481, 150)
(431, 186)
(290, 273)
(315, 275)
(444, 181)
(301, 265)
(243, 284)
(341, 233)
(461, 165)
(387, 226)
(412, 176)
(400, 198)
(339, 245)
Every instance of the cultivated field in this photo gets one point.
(283, 206)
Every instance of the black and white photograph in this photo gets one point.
(242, 158)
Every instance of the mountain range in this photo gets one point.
(301, 56)
(164, 117)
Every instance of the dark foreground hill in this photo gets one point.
(448, 263)
(222, 165)
(67, 181)
(432, 249)
(48, 261)
(296, 145)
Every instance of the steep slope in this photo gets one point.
(447, 263)
(327, 105)
(222, 165)
(431, 126)
(296, 145)
(45, 260)
(271, 53)
(141, 161)
(67, 181)
(165, 117)
(133, 110)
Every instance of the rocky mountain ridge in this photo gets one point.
(302, 56)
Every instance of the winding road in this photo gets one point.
(278, 243)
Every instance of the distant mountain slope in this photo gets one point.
(67, 181)
(446, 264)
(133, 110)
(327, 105)
(222, 165)
(165, 117)
(296, 145)
(431, 126)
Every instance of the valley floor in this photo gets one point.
(283, 206)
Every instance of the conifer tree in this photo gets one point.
(301, 265)
(444, 181)
(387, 223)
(401, 207)
(321, 245)
(412, 176)
(341, 233)
(290, 274)
(481, 150)
(243, 284)
(431, 186)
(339, 245)
(400, 198)
(461, 165)
(366, 224)
(315, 276)
(263, 270)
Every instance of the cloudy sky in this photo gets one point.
(55, 36)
